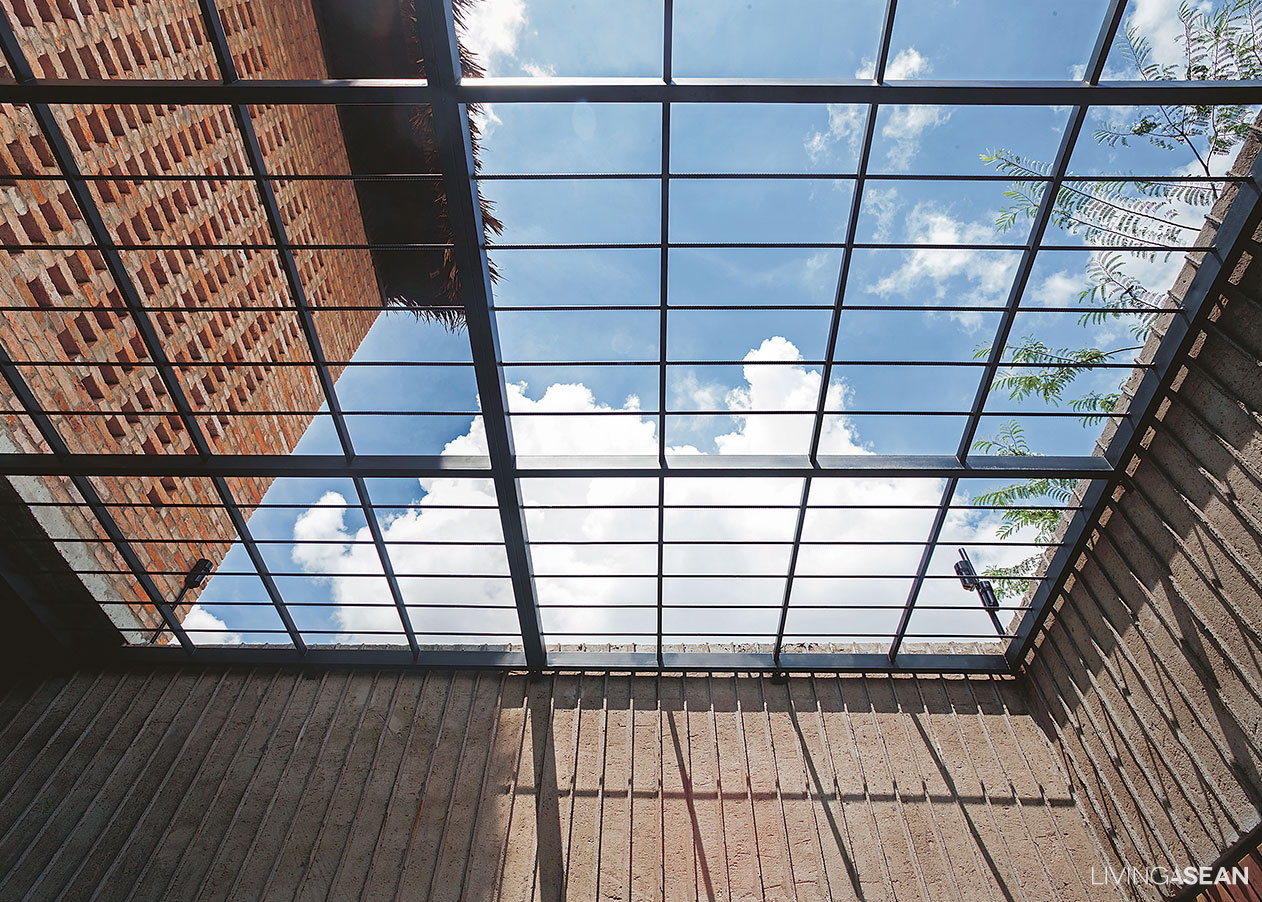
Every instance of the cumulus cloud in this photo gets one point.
(906, 64)
(903, 126)
(598, 578)
(485, 119)
(490, 30)
(198, 619)
(845, 126)
(987, 273)
(492, 27)
(881, 206)
(537, 70)
(1059, 289)
(1158, 21)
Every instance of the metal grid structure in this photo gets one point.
(449, 96)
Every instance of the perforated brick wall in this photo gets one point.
(243, 368)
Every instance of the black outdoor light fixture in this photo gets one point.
(194, 578)
(970, 580)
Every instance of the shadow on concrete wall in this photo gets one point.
(1151, 673)
(384, 784)
(857, 784)
(549, 850)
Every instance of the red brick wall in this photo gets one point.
(231, 357)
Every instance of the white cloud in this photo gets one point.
(845, 125)
(881, 206)
(491, 30)
(1158, 21)
(198, 618)
(492, 27)
(987, 273)
(536, 70)
(485, 119)
(903, 127)
(906, 64)
(765, 387)
(701, 395)
(1060, 289)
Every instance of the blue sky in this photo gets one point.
(737, 363)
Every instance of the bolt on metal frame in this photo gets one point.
(448, 95)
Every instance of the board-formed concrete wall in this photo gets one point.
(1151, 669)
(246, 784)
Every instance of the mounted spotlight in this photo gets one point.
(971, 581)
(194, 578)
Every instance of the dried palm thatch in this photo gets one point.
(446, 280)
(378, 39)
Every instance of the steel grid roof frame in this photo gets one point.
(448, 95)
(276, 225)
(1042, 216)
(632, 90)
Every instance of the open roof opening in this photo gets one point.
(475, 336)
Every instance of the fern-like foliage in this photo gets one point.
(1225, 43)
(1219, 44)
(1111, 213)
(1045, 372)
(1112, 290)
(1025, 506)
(1048, 373)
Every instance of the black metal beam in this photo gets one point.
(298, 295)
(663, 313)
(436, 32)
(611, 661)
(595, 246)
(1239, 224)
(387, 565)
(437, 466)
(821, 403)
(324, 656)
(633, 90)
(814, 176)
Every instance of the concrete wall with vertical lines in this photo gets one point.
(281, 784)
(1152, 667)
